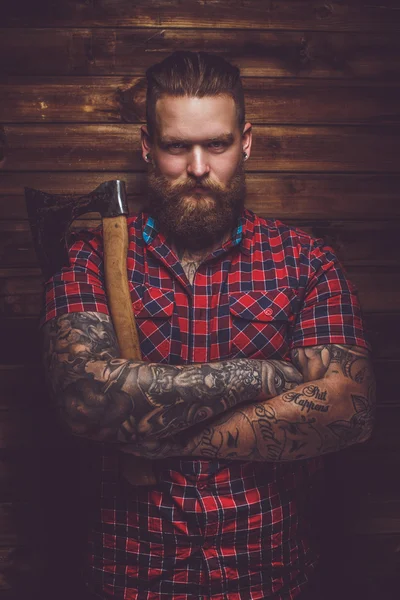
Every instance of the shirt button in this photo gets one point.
(138, 305)
(268, 312)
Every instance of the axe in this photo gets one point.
(50, 216)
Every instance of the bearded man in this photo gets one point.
(254, 366)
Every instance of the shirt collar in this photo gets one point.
(150, 230)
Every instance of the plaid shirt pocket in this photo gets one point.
(261, 323)
(153, 309)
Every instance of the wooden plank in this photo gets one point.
(21, 470)
(21, 376)
(364, 471)
(357, 566)
(6, 557)
(7, 477)
(387, 375)
(7, 569)
(383, 330)
(130, 52)
(20, 380)
(379, 288)
(21, 371)
(384, 443)
(378, 515)
(385, 438)
(7, 525)
(280, 195)
(12, 202)
(251, 14)
(5, 586)
(372, 555)
(355, 243)
(60, 147)
(114, 99)
(15, 429)
(21, 292)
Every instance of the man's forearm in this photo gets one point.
(126, 400)
(332, 409)
(299, 424)
(106, 398)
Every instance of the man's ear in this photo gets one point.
(146, 142)
(247, 138)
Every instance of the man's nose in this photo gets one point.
(198, 163)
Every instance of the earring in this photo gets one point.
(148, 158)
(245, 156)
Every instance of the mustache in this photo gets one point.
(184, 188)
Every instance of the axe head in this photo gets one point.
(50, 216)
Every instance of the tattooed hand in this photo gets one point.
(279, 376)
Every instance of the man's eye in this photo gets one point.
(217, 145)
(176, 146)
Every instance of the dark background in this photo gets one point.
(322, 85)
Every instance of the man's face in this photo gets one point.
(196, 180)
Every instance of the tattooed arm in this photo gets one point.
(333, 409)
(106, 398)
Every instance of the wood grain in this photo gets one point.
(251, 14)
(7, 475)
(281, 195)
(17, 360)
(15, 430)
(355, 243)
(282, 148)
(378, 515)
(379, 552)
(268, 101)
(321, 82)
(22, 380)
(378, 287)
(7, 526)
(306, 54)
(358, 464)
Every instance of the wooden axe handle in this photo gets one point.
(138, 471)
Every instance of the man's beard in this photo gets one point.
(196, 220)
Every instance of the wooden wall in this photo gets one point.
(323, 93)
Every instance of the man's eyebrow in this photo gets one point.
(228, 138)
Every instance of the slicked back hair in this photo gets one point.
(192, 74)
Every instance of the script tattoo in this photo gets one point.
(267, 437)
(301, 423)
(303, 399)
(104, 397)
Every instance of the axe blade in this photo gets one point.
(50, 216)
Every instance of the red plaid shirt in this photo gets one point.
(217, 529)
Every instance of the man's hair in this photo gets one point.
(193, 74)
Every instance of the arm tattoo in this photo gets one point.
(104, 397)
(334, 410)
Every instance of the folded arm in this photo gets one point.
(106, 398)
(333, 408)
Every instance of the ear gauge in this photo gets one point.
(245, 156)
